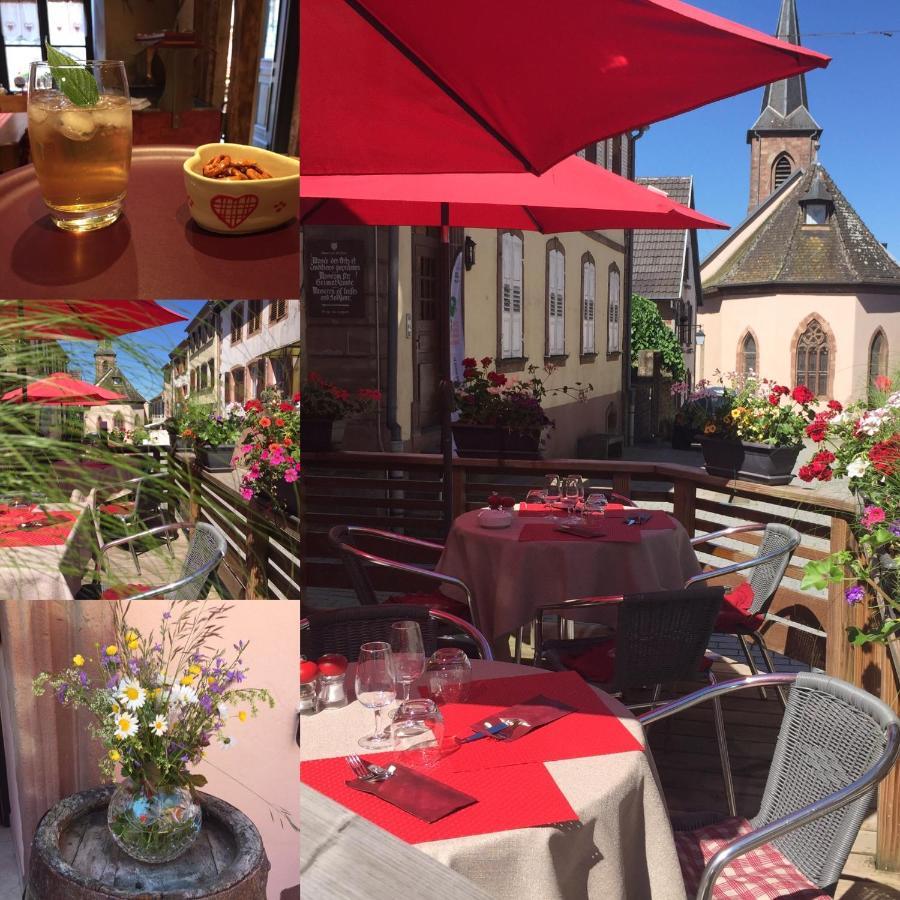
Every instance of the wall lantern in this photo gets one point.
(700, 339)
(469, 253)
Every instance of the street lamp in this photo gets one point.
(700, 338)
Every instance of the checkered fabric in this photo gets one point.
(762, 874)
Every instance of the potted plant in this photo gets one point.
(157, 701)
(216, 437)
(270, 453)
(862, 444)
(757, 431)
(502, 416)
(189, 416)
(324, 406)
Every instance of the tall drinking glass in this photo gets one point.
(376, 689)
(408, 652)
(79, 127)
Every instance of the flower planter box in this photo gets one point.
(474, 441)
(289, 497)
(750, 461)
(321, 435)
(215, 459)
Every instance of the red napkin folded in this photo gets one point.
(613, 531)
(420, 796)
(47, 536)
(535, 712)
(516, 796)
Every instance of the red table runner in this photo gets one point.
(38, 537)
(535, 510)
(658, 521)
(612, 531)
(516, 796)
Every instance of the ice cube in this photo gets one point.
(114, 117)
(77, 125)
(37, 114)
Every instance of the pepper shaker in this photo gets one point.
(332, 669)
(308, 688)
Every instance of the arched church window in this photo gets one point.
(782, 171)
(878, 357)
(747, 355)
(119, 422)
(812, 359)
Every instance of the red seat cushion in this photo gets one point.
(124, 591)
(433, 601)
(761, 874)
(735, 617)
(598, 664)
(118, 509)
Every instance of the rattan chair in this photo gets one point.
(346, 539)
(345, 630)
(206, 550)
(767, 569)
(660, 640)
(835, 744)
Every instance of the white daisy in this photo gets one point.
(182, 694)
(126, 725)
(227, 742)
(159, 726)
(131, 694)
(223, 710)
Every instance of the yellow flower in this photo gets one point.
(114, 755)
(130, 636)
(112, 650)
(187, 680)
(194, 669)
(78, 659)
(242, 715)
(133, 645)
(210, 680)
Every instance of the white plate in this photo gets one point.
(494, 518)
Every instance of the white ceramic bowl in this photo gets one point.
(242, 207)
(494, 518)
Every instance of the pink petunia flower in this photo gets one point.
(291, 475)
(246, 493)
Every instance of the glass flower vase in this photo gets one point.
(154, 825)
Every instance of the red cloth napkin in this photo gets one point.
(592, 730)
(536, 712)
(614, 531)
(658, 521)
(38, 537)
(516, 796)
(12, 516)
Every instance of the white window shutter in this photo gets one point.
(506, 296)
(556, 323)
(613, 343)
(516, 340)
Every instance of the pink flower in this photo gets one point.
(291, 475)
(872, 516)
(251, 476)
(246, 493)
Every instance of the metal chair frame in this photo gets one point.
(355, 561)
(201, 576)
(860, 789)
(761, 604)
(438, 615)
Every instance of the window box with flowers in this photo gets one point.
(503, 416)
(324, 407)
(216, 436)
(756, 432)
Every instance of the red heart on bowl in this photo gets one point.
(234, 210)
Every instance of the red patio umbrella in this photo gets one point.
(510, 85)
(574, 195)
(61, 389)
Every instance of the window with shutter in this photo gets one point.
(588, 304)
(613, 342)
(511, 281)
(556, 299)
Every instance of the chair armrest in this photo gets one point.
(725, 532)
(464, 626)
(735, 567)
(173, 526)
(396, 538)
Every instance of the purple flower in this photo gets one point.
(157, 648)
(894, 528)
(167, 615)
(133, 666)
(111, 683)
(206, 702)
(83, 678)
(854, 594)
(61, 692)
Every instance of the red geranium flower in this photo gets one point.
(774, 399)
(297, 396)
(470, 373)
(286, 407)
(802, 394)
(885, 456)
(279, 422)
(782, 389)
(817, 429)
(882, 383)
(253, 406)
(496, 378)
(469, 362)
(805, 473)
(486, 361)
(265, 421)
(835, 406)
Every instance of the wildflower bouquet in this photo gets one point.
(760, 411)
(158, 700)
(271, 448)
(862, 443)
(323, 400)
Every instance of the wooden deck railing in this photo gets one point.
(263, 556)
(402, 492)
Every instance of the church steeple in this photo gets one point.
(104, 359)
(784, 136)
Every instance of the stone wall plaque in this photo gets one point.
(334, 279)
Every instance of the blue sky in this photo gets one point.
(854, 100)
(141, 355)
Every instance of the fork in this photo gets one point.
(367, 771)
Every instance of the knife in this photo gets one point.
(489, 729)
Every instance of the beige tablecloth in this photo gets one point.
(510, 579)
(623, 850)
(84, 475)
(53, 572)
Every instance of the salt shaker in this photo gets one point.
(308, 688)
(332, 669)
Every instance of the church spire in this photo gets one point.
(785, 136)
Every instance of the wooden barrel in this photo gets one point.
(74, 857)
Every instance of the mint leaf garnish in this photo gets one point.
(78, 84)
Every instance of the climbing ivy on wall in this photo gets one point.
(650, 332)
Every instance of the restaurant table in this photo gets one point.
(509, 579)
(54, 571)
(84, 474)
(623, 849)
(13, 140)
(155, 250)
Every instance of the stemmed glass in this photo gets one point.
(408, 651)
(551, 488)
(376, 689)
(571, 489)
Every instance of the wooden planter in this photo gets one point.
(474, 441)
(750, 461)
(321, 435)
(74, 857)
(289, 496)
(216, 459)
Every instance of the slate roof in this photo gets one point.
(659, 256)
(784, 251)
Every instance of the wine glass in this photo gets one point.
(420, 717)
(447, 675)
(538, 497)
(552, 488)
(408, 653)
(570, 498)
(376, 689)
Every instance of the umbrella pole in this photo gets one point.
(446, 386)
